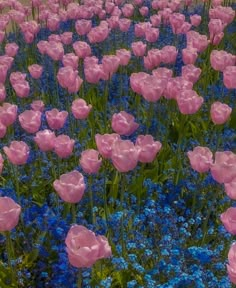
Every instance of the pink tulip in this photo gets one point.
(82, 49)
(223, 169)
(30, 120)
(98, 34)
(138, 48)
(140, 28)
(74, 88)
(9, 214)
(42, 46)
(168, 54)
(80, 109)
(228, 218)
(189, 102)
(124, 56)
(162, 72)
(66, 38)
(124, 155)
(2, 36)
(220, 113)
(56, 119)
(1, 161)
(3, 73)
(221, 59)
(22, 89)
(175, 86)
(4, 59)
(217, 38)
(16, 77)
(93, 73)
(70, 187)
(11, 49)
(189, 55)
(147, 147)
(152, 88)
(195, 20)
(176, 21)
(231, 267)
(135, 81)
(151, 34)
(3, 130)
(55, 50)
(66, 76)
(17, 153)
(8, 114)
(128, 10)
(144, 11)
(124, 123)
(191, 73)
(110, 64)
(83, 26)
(105, 142)
(3, 93)
(84, 248)
(90, 162)
(71, 60)
(63, 146)
(230, 189)
(54, 38)
(229, 77)
(37, 105)
(201, 159)
(124, 24)
(156, 20)
(216, 26)
(197, 41)
(45, 139)
(35, 71)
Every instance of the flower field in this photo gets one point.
(117, 143)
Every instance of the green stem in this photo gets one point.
(10, 256)
(91, 200)
(80, 279)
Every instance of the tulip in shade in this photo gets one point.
(138, 48)
(90, 162)
(228, 218)
(230, 189)
(80, 109)
(231, 267)
(37, 105)
(2, 92)
(147, 147)
(3, 130)
(17, 153)
(195, 20)
(56, 119)
(11, 49)
(35, 71)
(9, 214)
(84, 248)
(201, 159)
(30, 120)
(70, 187)
(124, 123)
(105, 142)
(124, 155)
(223, 169)
(220, 113)
(45, 139)
(63, 146)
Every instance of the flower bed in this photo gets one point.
(118, 144)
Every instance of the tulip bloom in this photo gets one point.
(90, 162)
(201, 159)
(9, 214)
(124, 123)
(17, 153)
(220, 113)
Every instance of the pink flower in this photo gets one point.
(221, 59)
(124, 155)
(201, 159)
(156, 20)
(127, 10)
(230, 189)
(152, 34)
(30, 120)
(55, 50)
(124, 24)
(144, 11)
(223, 169)
(3, 130)
(66, 38)
(1, 163)
(220, 113)
(191, 73)
(135, 81)
(83, 26)
(71, 60)
(124, 56)
(231, 267)
(70, 187)
(168, 54)
(2, 92)
(9, 214)
(228, 218)
(105, 142)
(162, 72)
(56, 119)
(16, 77)
(35, 71)
(152, 88)
(189, 102)
(147, 147)
(124, 123)
(195, 20)
(63, 146)
(189, 55)
(175, 86)
(138, 48)
(17, 153)
(90, 162)
(82, 49)
(110, 64)
(22, 89)
(37, 105)
(8, 114)
(80, 109)
(84, 248)
(45, 139)
(229, 77)
(11, 49)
